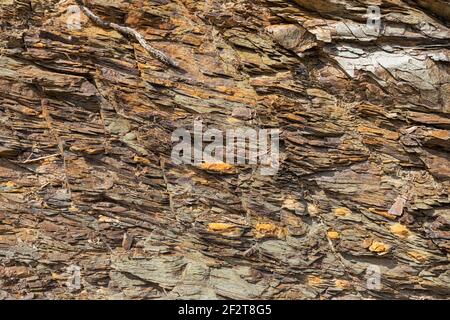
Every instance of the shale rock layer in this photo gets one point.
(87, 180)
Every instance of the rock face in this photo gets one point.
(359, 208)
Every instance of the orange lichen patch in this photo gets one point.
(400, 230)
(314, 281)
(342, 211)
(220, 226)
(382, 213)
(379, 247)
(8, 184)
(333, 235)
(226, 229)
(418, 255)
(141, 160)
(265, 227)
(342, 284)
(142, 66)
(263, 230)
(391, 135)
(219, 167)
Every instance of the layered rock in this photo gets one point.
(87, 178)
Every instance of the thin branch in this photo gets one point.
(157, 54)
(41, 158)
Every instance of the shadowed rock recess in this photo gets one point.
(87, 180)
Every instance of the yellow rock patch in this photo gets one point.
(382, 213)
(219, 226)
(141, 160)
(9, 184)
(218, 167)
(400, 230)
(314, 281)
(263, 230)
(265, 227)
(342, 211)
(226, 229)
(333, 235)
(379, 247)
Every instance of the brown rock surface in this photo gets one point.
(86, 177)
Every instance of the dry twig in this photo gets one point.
(161, 56)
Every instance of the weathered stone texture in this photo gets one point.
(86, 178)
